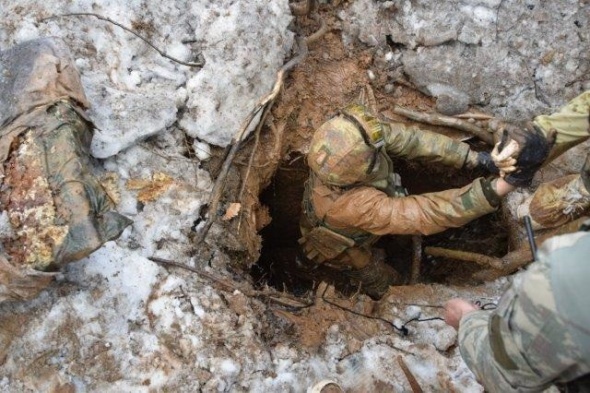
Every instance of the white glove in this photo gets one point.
(505, 159)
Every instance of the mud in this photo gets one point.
(330, 78)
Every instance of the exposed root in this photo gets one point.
(441, 120)
(474, 116)
(416, 258)
(319, 33)
(480, 259)
(263, 103)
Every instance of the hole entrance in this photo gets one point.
(280, 267)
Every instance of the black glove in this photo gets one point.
(484, 161)
(534, 149)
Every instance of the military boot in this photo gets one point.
(375, 278)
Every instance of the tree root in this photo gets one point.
(416, 258)
(441, 120)
(265, 102)
(509, 263)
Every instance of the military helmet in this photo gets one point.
(344, 150)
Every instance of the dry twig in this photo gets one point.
(416, 258)
(283, 299)
(480, 259)
(409, 376)
(474, 116)
(97, 16)
(441, 120)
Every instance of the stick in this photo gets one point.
(409, 376)
(474, 116)
(282, 299)
(468, 256)
(441, 120)
(162, 53)
(416, 258)
(235, 144)
(531, 236)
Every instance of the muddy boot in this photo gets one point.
(375, 278)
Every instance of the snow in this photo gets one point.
(117, 321)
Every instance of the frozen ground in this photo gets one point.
(117, 321)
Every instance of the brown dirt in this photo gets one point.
(328, 79)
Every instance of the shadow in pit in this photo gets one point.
(280, 266)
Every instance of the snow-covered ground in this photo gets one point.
(118, 322)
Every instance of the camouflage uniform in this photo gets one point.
(344, 213)
(572, 124)
(540, 333)
(57, 210)
(564, 199)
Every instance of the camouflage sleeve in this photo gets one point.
(523, 345)
(572, 124)
(413, 143)
(373, 211)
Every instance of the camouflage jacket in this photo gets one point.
(540, 333)
(364, 213)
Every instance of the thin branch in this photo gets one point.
(441, 120)
(319, 33)
(235, 144)
(460, 255)
(230, 286)
(162, 53)
(409, 376)
(474, 116)
(253, 153)
(416, 258)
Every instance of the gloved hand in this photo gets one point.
(533, 150)
(504, 154)
(481, 160)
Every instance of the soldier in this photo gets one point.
(353, 195)
(540, 333)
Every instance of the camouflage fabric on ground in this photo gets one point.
(57, 209)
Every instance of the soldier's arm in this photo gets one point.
(412, 143)
(571, 124)
(523, 345)
(371, 210)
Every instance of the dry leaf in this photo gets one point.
(232, 211)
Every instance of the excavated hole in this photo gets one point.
(278, 266)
